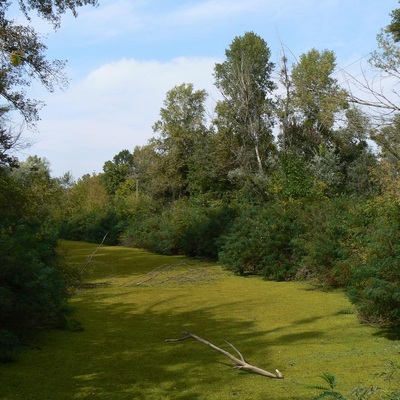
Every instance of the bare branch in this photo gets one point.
(239, 364)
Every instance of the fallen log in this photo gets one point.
(239, 363)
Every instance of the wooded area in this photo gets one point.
(291, 178)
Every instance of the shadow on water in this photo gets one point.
(130, 341)
(388, 333)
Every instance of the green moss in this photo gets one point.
(121, 352)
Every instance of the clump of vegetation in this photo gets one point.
(33, 277)
(390, 375)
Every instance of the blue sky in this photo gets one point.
(124, 55)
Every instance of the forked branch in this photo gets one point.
(239, 363)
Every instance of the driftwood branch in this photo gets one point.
(239, 363)
(182, 273)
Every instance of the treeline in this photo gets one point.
(289, 179)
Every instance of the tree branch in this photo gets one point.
(239, 364)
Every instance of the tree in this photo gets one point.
(33, 278)
(285, 107)
(382, 99)
(23, 60)
(245, 114)
(388, 139)
(181, 128)
(118, 171)
(351, 145)
(88, 212)
(317, 98)
(394, 27)
(7, 143)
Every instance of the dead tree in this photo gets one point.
(239, 363)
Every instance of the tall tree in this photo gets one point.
(245, 117)
(285, 107)
(318, 99)
(182, 126)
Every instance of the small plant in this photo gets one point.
(391, 374)
(328, 392)
(358, 393)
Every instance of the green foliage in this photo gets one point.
(185, 228)
(293, 178)
(87, 213)
(359, 393)
(92, 227)
(181, 128)
(117, 171)
(375, 276)
(394, 27)
(324, 243)
(317, 98)
(262, 240)
(387, 138)
(328, 392)
(245, 115)
(9, 344)
(32, 288)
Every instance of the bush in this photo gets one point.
(32, 289)
(92, 227)
(263, 240)
(185, 228)
(375, 280)
(328, 226)
(201, 229)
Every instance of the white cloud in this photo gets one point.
(113, 108)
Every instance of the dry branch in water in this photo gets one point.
(88, 261)
(239, 363)
(178, 274)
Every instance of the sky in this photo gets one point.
(125, 55)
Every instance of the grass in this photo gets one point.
(121, 353)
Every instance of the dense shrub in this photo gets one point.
(184, 228)
(263, 240)
(328, 226)
(32, 289)
(375, 280)
(92, 227)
